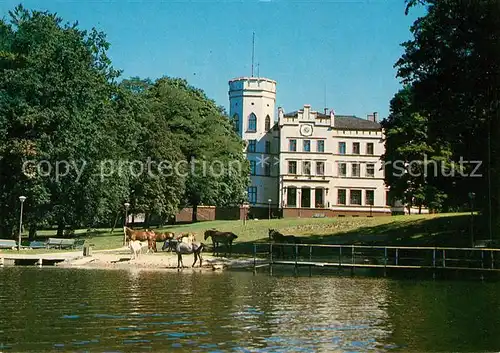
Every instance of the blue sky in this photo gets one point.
(349, 47)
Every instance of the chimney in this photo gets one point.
(326, 111)
(332, 118)
(372, 117)
(375, 116)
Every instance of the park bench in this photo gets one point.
(7, 244)
(318, 215)
(37, 245)
(60, 243)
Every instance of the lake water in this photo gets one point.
(54, 309)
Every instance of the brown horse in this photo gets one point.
(226, 238)
(141, 235)
(161, 237)
(277, 237)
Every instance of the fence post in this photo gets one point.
(296, 258)
(271, 259)
(385, 261)
(340, 257)
(254, 258)
(492, 260)
(397, 256)
(310, 260)
(352, 261)
(444, 258)
(434, 263)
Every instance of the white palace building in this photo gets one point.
(307, 163)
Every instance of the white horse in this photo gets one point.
(136, 247)
(187, 245)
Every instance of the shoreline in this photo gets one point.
(121, 259)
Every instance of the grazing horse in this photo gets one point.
(160, 237)
(169, 241)
(141, 235)
(226, 238)
(186, 245)
(277, 237)
(136, 247)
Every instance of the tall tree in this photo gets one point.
(452, 65)
(218, 171)
(57, 101)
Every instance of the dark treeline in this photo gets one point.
(447, 111)
(70, 131)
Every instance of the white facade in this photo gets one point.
(252, 109)
(331, 162)
(308, 160)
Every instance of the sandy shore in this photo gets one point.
(122, 259)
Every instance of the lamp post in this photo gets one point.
(471, 198)
(127, 205)
(245, 207)
(22, 199)
(269, 202)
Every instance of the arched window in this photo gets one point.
(252, 122)
(236, 122)
(268, 123)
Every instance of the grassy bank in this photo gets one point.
(422, 230)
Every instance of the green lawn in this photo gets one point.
(425, 230)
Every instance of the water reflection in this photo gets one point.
(63, 309)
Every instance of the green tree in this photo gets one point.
(218, 171)
(410, 161)
(58, 103)
(452, 65)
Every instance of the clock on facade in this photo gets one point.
(306, 130)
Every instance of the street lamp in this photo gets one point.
(127, 205)
(471, 198)
(269, 202)
(245, 207)
(22, 199)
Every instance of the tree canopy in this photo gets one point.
(452, 76)
(78, 143)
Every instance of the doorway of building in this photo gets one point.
(318, 197)
(305, 199)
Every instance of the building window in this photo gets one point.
(292, 167)
(369, 148)
(268, 146)
(307, 145)
(320, 168)
(268, 123)
(251, 145)
(341, 147)
(236, 122)
(355, 197)
(355, 169)
(341, 196)
(370, 197)
(306, 166)
(252, 123)
(342, 170)
(252, 195)
(253, 167)
(291, 197)
(321, 145)
(355, 148)
(318, 197)
(267, 169)
(370, 170)
(292, 146)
